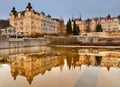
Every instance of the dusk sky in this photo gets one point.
(64, 8)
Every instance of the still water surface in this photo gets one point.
(59, 67)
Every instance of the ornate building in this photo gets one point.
(31, 22)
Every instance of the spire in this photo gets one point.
(80, 18)
(72, 18)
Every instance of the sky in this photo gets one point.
(64, 8)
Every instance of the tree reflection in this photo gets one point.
(98, 60)
(71, 60)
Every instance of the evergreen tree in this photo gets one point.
(76, 29)
(99, 28)
(69, 27)
(118, 17)
(0, 31)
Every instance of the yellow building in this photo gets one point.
(108, 24)
(31, 22)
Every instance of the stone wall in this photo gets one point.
(4, 43)
(28, 42)
(62, 40)
(34, 42)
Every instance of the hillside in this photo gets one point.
(4, 23)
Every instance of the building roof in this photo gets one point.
(88, 20)
(49, 16)
(29, 7)
(36, 12)
(56, 19)
(77, 19)
(43, 13)
(14, 11)
(22, 13)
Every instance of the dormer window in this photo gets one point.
(11, 13)
(27, 9)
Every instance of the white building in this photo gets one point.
(11, 32)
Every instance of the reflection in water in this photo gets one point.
(98, 60)
(30, 64)
(102, 58)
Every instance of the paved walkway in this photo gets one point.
(73, 46)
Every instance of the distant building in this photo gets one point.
(31, 22)
(109, 24)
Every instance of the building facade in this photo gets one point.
(108, 24)
(31, 22)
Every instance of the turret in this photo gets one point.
(109, 16)
(29, 7)
(13, 12)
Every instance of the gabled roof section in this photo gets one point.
(42, 13)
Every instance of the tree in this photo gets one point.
(76, 29)
(118, 17)
(99, 28)
(0, 32)
(69, 27)
(98, 60)
(4, 23)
